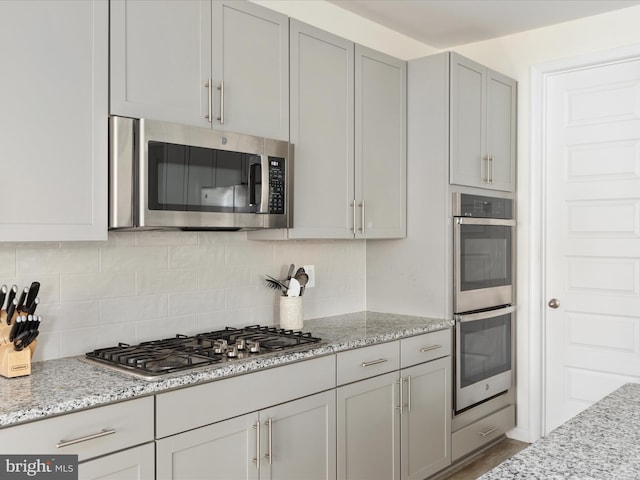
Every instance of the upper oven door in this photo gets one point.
(483, 263)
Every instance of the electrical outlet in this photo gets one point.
(311, 271)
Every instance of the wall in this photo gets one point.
(143, 286)
(516, 56)
(343, 23)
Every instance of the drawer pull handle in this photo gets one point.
(373, 362)
(429, 348)
(488, 432)
(102, 433)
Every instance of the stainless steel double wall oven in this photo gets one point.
(484, 235)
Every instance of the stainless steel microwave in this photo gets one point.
(166, 175)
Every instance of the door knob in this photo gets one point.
(554, 303)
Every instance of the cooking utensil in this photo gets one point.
(34, 289)
(290, 274)
(10, 297)
(21, 301)
(294, 288)
(27, 333)
(3, 295)
(276, 284)
(11, 310)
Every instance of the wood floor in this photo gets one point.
(488, 459)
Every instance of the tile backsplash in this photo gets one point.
(148, 285)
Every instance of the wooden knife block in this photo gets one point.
(14, 363)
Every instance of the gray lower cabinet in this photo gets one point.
(369, 429)
(132, 464)
(293, 440)
(396, 425)
(112, 442)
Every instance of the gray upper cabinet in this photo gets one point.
(348, 129)
(53, 142)
(380, 145)
(483, 126)
(322, 133)
(215, 64)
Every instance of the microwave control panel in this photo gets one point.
(277, 180)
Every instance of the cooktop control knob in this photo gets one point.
(232, 352)
(254, 347)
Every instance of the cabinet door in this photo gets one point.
(299, 439)
(380, 145)
(322, 133)
(133, 464)
(222, 451)
(468, 162)
(251, 65)
(426, 424)
(501, 130)
(161, 59)
(53, 141)
(369, 429)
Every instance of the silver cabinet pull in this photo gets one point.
(485, 161)
(362, 224)
(373, 362)
(554, 303)
(207, 85)
(492, 170)
(354, 215)
(429, 348)
(101, 433)
(488, 432)
(221, 88)
(400, 383)
(256, 460)
(269, 454)
(408, 393)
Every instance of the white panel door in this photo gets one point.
(592, 162)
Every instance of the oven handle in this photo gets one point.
(485, 221)
(471, 317)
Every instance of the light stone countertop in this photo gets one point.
(601, 443)
(74, 383)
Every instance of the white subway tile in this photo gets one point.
(42, 261)
(192, 256)
(7, 262)
(226, 276)
(188, 303)
(249, 253)
(249, 297)
(79, 341)
(132, 309)
(96, 286)
(166, 238)
(228, 318)
(48, 347)
(149, 283)
(166, 328)
(67, 316)
(221, 238)
(110, 335)
(132, 259)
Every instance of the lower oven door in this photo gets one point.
(484, 355)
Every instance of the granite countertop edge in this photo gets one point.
(74, 383)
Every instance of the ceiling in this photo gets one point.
(447, 23)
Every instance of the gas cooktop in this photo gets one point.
(181, 353)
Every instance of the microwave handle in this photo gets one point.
(471, 317)
(263, 204)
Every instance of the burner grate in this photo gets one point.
(181, 353)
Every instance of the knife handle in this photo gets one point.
(33, 293)
(21, 300)
(11, 311)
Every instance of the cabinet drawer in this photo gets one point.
(86, 433)
(423, 348)
(200, 405)
(366, 362)
(481, 432)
